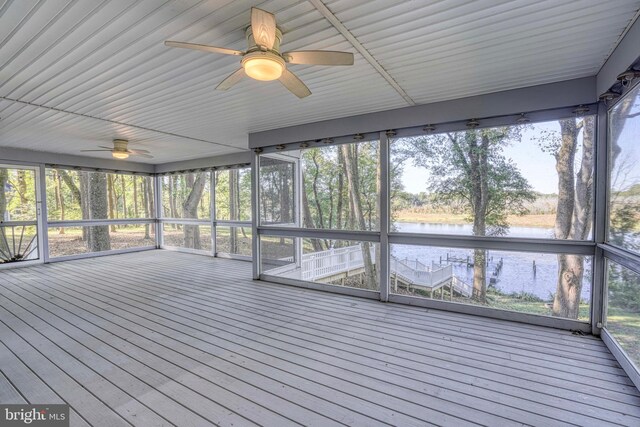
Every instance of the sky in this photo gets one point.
(536, 166)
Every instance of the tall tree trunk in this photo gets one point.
(172, 197)
(112, 202)
(84, 198)
(22, 186)
(59, 199)
(316, 197)
(575, 202)
(135, 197)
(351, 168)
(565, 159)
(285, 199)
(80, 194)
(477, 145)
(98, 209)
(308, 220)
(124, 197)
(190, 209)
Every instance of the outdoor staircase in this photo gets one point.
(336, 263)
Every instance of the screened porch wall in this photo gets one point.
(324, 194)
(410, 256)
(207, 211)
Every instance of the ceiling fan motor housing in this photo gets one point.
(120, 144)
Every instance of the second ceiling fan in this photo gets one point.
(263, 60)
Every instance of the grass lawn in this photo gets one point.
(533, 307)
(625, 327)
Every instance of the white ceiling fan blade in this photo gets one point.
(294, 84)
(89, 151)
(318, 57)
(263, 26)
(204, 48)
(106, 148)
(231, 80)
(137, 151)
(148, 156)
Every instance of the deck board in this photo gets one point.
(184, 339)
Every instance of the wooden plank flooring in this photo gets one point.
(166, 338)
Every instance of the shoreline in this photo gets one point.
(546, 221)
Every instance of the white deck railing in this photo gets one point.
(332, 262)
(422, 275)
(327, 263)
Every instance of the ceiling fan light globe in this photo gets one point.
(263, 67)
(120, 155)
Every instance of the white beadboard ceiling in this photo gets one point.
(75, 74)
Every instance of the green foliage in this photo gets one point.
(277, 199)
(624, 288)
(525, 296)
(622, 224)
(176, 190)
(460, 162)
(242, 192)
(17, 195)
(633, 190)
(327, 192)
(65, 193)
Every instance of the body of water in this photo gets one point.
(467, 230)
(534, 273)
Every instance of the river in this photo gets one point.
(517, 273)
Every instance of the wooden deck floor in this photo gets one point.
(165, 338)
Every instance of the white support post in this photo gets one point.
(41, 205)
(297, 191)
(214, 224)
(255, 215)
(383, 268)
(157, 196)
(600, 228)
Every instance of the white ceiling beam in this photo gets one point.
(324, 10)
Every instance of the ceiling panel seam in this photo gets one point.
(324, 10)
(121, 123)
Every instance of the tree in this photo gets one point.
(196, 182)
(112, 200)
(574, 207)
(98, 209)
(469, 169)
(124, 195)
(351, 171)
(59, 198)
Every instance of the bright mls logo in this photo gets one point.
(34, 415)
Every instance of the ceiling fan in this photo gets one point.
(120, 150)
(263, 60)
